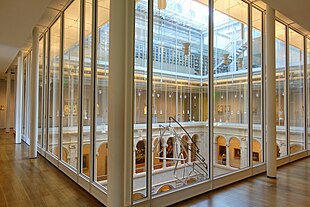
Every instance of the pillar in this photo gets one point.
(227, 155)
(120, 96)
(189, 154)
(19, 99)
(34, 92)
(164, 145)
(243, 153)
(270, 94)
(8, 101)
(134, 160)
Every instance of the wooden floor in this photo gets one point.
(290, 189)
(35, 182)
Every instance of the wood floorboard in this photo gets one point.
(28, 182)
(291, 188)
(37, 183)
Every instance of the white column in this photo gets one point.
(243, 153)
(189, 154)
(134, 160)
(19, 99)
(227, 155)
(120, 97)
(270, 94)
(164, 145)
(34, 92)
(8, 100)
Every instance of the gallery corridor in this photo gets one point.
(35, 182)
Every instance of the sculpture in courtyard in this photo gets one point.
(185, 171)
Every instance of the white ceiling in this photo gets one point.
(298, 11)
(17, 18)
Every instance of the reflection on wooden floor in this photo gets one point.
(291, 188)
(35, 182)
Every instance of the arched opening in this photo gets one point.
(164, 188)
(137, 196)
(221, 150)
(296, 148)
(140, 156)
(157, 153)
(257, 151)
(102, 162)
(184, 147)
(234, 152)
(86, 159)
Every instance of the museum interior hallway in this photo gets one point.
(23, 182)
(35, 182)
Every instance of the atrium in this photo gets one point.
(153, 102)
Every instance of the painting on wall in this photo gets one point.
(236, 153)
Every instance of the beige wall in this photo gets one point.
(3, 102)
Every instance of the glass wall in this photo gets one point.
(281, 112)
(140, 97)
(296, 94)
(257, 86)
(40, 98)
(101, 93)
(70, 87)
(175, 97)
(45, 101)
(179, 135)
(86, 91)
(308, 90)
(54, 89)
(231, 90)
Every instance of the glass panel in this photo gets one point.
(179, 134)
(231, 113)
(296, 94)
(54, 90)
(40, 100)
(46, 94)
(27, 98)
(101, 117)
(70, 84)
(86, 96)
(24, 97)
(140, 97)
(280, 90)
(257, 93)
(308, 90)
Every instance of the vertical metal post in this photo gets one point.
(92, 174)
(263, 91)
(81, 83)
(287, 89)
(149, 99)
(61, 85)
(210, 87)
(250, 84)
(305, 93)
(48, 88)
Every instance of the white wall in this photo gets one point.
(3, 102)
